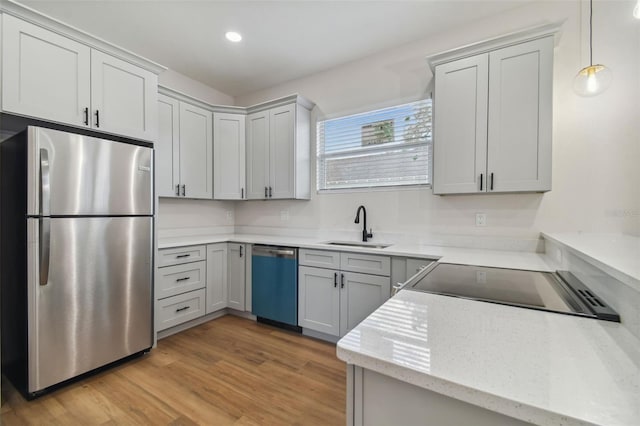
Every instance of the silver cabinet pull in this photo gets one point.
(178, 190)
(184, 190)
(45, 222)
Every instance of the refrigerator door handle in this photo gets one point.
(45, 221)
(45, 248)
(45, 184)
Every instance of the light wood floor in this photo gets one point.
(227, 371)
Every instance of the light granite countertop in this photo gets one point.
(539, 367)
(466, 256)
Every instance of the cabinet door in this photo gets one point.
(361, 294)
(520, 99)
(257, 155)
(167, 147)
(236, 276)
(319, 299)
(228, 156)
(216, 277)
(460, 126)
(124, 97)
(44, 75)
(196, 152)
(282, 152)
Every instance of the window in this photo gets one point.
(385, 147)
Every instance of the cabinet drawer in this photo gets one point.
(365, 263)
(181, 308)
(319, 258)
(179, 255)
(178, 279)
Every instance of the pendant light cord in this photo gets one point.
(591, 32)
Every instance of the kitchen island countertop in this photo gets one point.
(539, 367)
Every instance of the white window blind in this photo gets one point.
(385, 147)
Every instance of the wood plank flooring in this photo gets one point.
(230, 371)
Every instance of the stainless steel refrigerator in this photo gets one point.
(77, 255)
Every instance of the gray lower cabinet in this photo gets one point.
(181, 308)
(333, 301)
(236, 282)
(181, 279)
(319, 300)
(216, 277)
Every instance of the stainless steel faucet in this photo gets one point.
(365, 235)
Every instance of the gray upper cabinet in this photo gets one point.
(184, 151)
(278, 153)
(492, 120)
(123, 97)
(52, 77)
(168, 147)
(196, 152)
(228, 156)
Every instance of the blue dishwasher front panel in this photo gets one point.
(274, 288)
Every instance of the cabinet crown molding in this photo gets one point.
(28, 14)
(285, 100)
(532, 33)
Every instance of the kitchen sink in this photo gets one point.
(356, 244)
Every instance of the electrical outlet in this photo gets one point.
(284, 215)
(481, 219)
(229, 215)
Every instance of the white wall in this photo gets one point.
(596, 145)
(193, 213)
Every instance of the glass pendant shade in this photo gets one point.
(592, 80)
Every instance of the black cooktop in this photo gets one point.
(556, 292)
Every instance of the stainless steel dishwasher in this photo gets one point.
(274, 285)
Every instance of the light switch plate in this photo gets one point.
(481, 219)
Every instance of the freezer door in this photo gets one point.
(90, 294)
(70, 174)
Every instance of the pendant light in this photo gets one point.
(594, 79)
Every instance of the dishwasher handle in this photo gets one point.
(273, 251)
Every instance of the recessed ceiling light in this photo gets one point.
(233, 36)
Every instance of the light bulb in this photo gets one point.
(636, 10)
(592, 80)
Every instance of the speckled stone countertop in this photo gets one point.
(539, 367)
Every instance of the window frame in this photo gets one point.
(373, 148)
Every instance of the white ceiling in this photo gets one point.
(283, 40)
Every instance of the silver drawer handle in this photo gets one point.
(182, 309)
